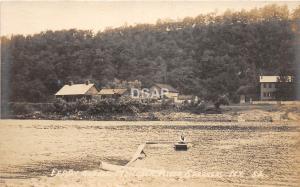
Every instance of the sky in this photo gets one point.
(29, 17)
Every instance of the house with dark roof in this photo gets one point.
(72, 92)
(112, 93)
(164, 91)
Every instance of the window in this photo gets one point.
(270, 85)
(264, 85)
(267, 94)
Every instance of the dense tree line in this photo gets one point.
(209, 55)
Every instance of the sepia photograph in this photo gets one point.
(149, 93)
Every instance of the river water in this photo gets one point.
(255, 153)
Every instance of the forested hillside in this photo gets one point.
(208, 55)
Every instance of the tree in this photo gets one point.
(208, 56)
(222, 100)
(285, 89)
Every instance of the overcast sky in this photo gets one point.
(33, 17)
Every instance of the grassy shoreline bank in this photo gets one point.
(234, 113)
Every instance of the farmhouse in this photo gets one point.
(268, 86)
(112, 93)
(72, 92)
(160, 91)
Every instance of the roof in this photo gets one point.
(107, 91)
(185, 97)
(166, 86)
(272, 78)
(74, 89)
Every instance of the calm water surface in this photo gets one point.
(33, 148)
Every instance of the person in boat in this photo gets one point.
(143, 155)
(182, 139)
(143, 152)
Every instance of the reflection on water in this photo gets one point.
(34, 148)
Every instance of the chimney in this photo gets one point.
(87, 82)
(70, 83)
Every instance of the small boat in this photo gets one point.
(181, 146)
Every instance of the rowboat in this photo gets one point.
(181, 146)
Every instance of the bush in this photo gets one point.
(167, 104)
(21, 108)
(116, 106)
(222, 100)
(82, 104)
(197, 108)
(60, 105)
(201, 107)
(47, 108)
(65, 108)
(103, 106)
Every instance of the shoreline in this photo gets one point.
(153, 123)
(173, 116)
(233, 113)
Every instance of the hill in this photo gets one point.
(208, 55)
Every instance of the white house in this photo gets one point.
(268, 86)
